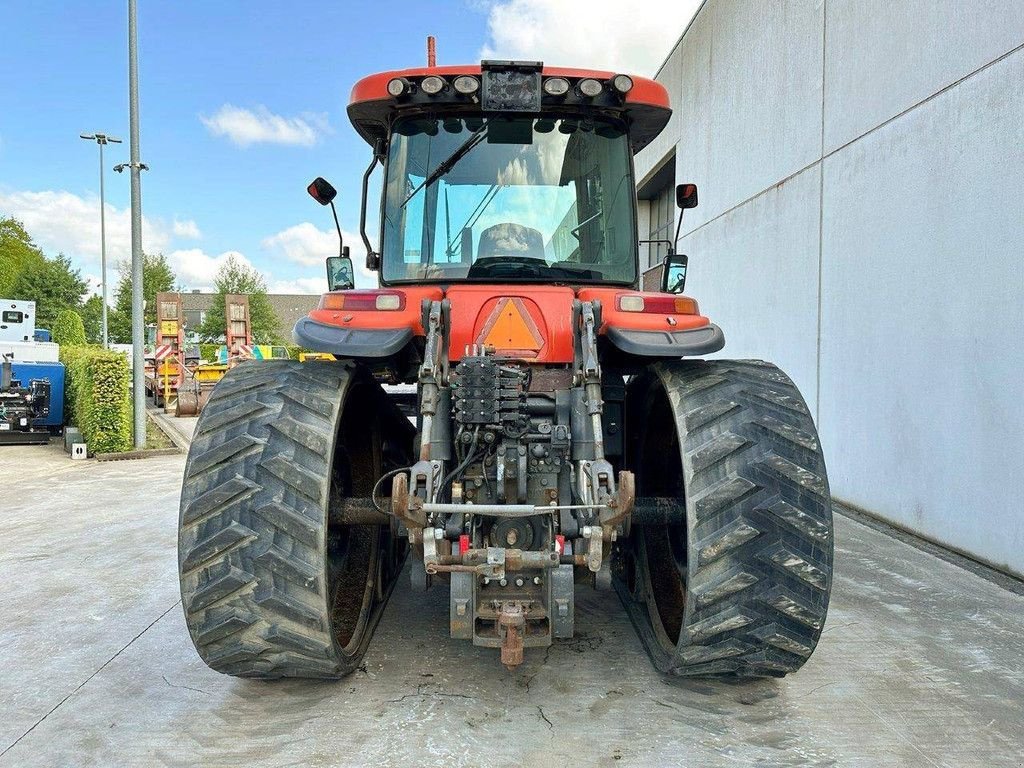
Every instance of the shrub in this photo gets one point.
(208, 352)
(98, 397)
(68, 328)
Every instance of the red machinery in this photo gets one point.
(566, 430)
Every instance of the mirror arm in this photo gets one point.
(679, 226)
(337, 226)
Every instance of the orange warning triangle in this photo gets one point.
(511, 327)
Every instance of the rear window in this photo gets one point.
(12, 316)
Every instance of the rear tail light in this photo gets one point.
(657, 305)
(362, 301)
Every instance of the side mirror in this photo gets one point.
(322, 191)
(673, 275)
(686, 195)
(339, 273)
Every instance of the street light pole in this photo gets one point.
(102, 139)
(138, 322)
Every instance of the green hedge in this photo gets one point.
(68, 328)
(98, 397)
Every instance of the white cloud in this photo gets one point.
(309, 246)
(313, 285)
(305, 244)
(245, 127)
(195, 268)
(605, 34)
(187, 229)
(64, 222)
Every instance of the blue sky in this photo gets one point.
(242, 104)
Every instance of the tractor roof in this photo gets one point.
(645, 107)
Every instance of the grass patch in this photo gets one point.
(155, 437)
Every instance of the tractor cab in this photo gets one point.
(496, 178)
(510, 172)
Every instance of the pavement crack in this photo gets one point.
(823, 685)
(422, 693)
(186, 687)
(103, 666)
(527, 681)
(544, 717)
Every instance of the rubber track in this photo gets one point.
(759, 547)
(252, 535)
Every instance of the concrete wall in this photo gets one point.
(861, 173)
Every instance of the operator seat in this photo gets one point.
(510, 239)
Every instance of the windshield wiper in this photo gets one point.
(450, 162)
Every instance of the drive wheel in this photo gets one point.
(269, 587)
(740, 587)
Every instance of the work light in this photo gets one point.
(622, 83)
(556, 86)
(465, 84)
(432, 85)
(398, 86)
(590, 87)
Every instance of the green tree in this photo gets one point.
(235, 276)
(68, 329)
(92, 319)
(17, 252)
(157, 277)
(52, 284)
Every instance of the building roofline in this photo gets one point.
(675, 45)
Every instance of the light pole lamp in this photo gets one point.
(102, 139)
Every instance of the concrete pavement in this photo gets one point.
(920, 663)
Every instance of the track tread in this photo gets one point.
(216, 544)
(253, 528)
(758, 565)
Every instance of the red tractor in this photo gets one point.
(560, 433)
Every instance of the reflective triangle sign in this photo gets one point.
(511, 328)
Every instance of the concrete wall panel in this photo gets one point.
(885, 56)
(754, 272)
(737, 64)
(922, 355)
(916, 106)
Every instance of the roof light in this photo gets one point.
(466, 84)
(399, 86)
(590, 87)
(432, 85)
(556, 86)
(622, 83)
